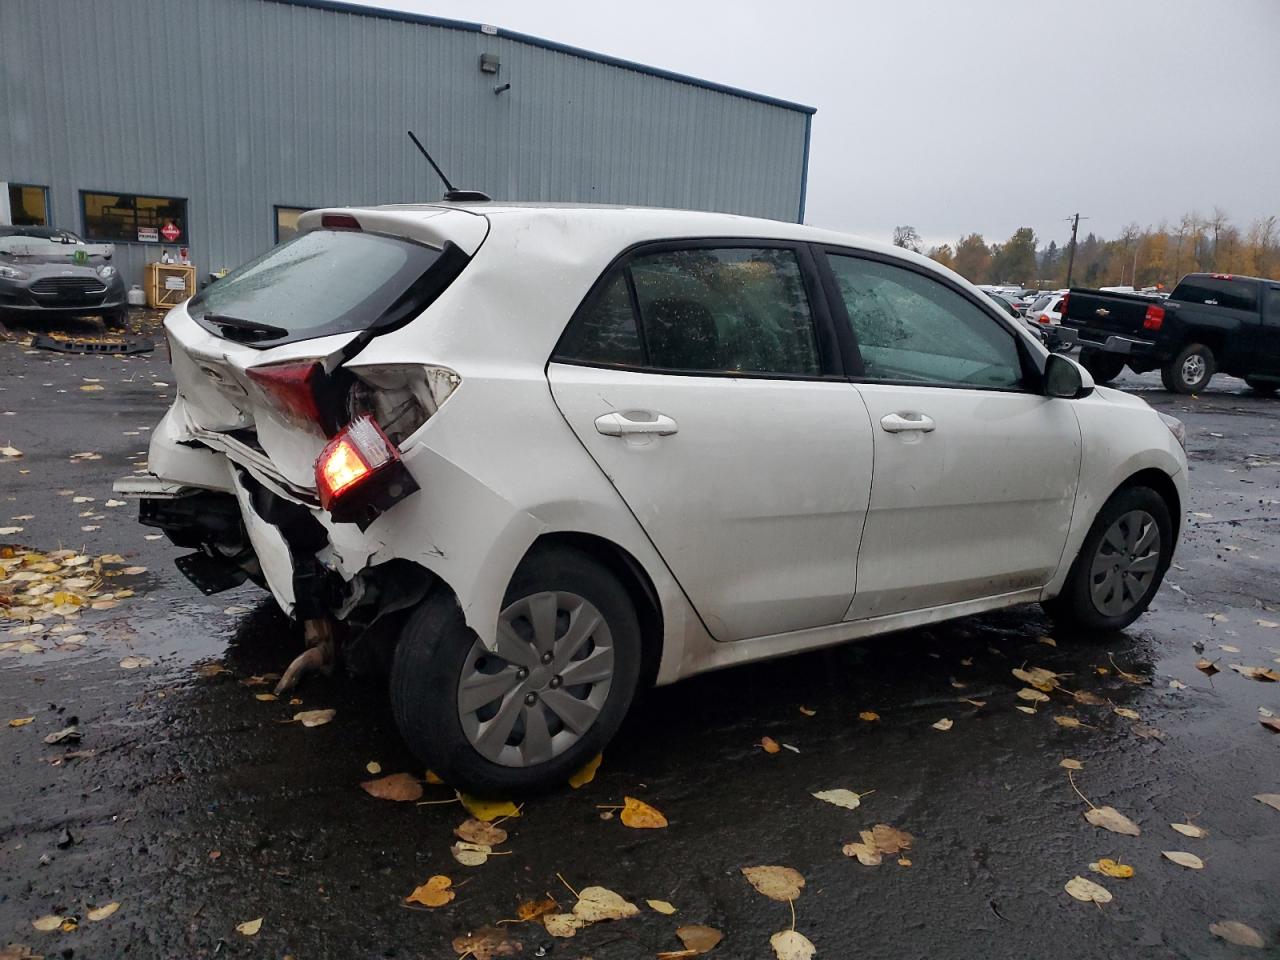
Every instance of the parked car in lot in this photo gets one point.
(47, 272)
(541, 456)
(1210, 323)
(1047, 308)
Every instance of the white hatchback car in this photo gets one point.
(535, 457)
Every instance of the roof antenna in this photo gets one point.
(451, 192)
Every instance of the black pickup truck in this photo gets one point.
(1211, 322)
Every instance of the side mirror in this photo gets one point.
(1065, 378)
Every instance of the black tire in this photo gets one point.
(1177, 378)
(1265, 388)
(433, 651)
(1074, 607)
(116, 319)
(1103, 367)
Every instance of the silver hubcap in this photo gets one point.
(542, 689)
(1125, 563)
(1192, 369)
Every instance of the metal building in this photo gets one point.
(209, 124)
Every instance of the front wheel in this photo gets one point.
(1190, 371)
(1120, 564)
(1103, 367)
(524, 716)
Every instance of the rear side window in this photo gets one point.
(703, 310)
(913, 329)
(1040, 304)
(1273, 306)
(319, 283)
(1218, 291)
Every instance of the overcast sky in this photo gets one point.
(978, 115)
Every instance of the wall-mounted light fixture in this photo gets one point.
(489, 63)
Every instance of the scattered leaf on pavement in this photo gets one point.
(1071, 764)
(776, 883)
(249, 928)
(1265, 674)
(661, 906)
(314, 718)
(486, 810)
(1087, 890)
(640, 816)
(869, 715)
(1038, 677)
(792, 945)
(769, 745)
(807, 712)
(1233, 931)
(47, 923)
(133, 663)
(266, 697)
(1032, 694)
(486, 943)
(562, 924)
(479, 831)
(598, 903)
(373, 767)
(1071, 723)
(1127, 713)
(470, 854)
(1207, 667)
(587, 772)
(1190, 830)
(533, 909)
(1184, 859)
(434, 893)
(1109, 818)
(841, 798)
(944, 724)
(102, 912)
(20, 721)
(395, 786)
(1270, 799)
(1112, 868)
(698, 938)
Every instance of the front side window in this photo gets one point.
(28, 205)
(1272, 316)
(134, 218)
(701, 310)
(913, 329)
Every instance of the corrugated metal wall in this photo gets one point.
(238, 105)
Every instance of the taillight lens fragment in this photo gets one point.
(293, 389)
(1154, 319)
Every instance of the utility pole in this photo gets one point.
(1071, 254)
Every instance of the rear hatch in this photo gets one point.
(258, 356)
(1107, 314)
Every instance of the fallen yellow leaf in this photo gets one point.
(265, 697)
(792, 945)
(640, 816)
(869, 715)
(488, 810)
(249, 928)
(661, 906)
(314, 718)
(102, 912)
(396, 786)
(434, 893)
(598, 903)
(1109, 818)
(532, 909)
(587, 772)
(373, 767)
(944, 724)
(433, 779)
(807, 712)
(20, 721)
(1184, 859)
(776, 883)
(769, 745)
(47, 923)
(1087, 890)
(478, 831)
(1112, 868)
(1071, 764)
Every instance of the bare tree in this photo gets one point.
(906, 237)
(1216, 223)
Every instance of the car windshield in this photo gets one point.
(318, 283)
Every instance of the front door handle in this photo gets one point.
(635, 423)
(907, 421)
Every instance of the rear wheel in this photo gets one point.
(1190, 371)
(1266, 388)
(1120, 564)
(524, 716)
(1103, 367)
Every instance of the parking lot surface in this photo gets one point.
(197, 806)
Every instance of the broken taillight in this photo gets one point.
(294, 390)
(359, 474)
(1154, 319)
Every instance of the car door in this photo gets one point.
(704, 380)
(1269, 332)
(975, 471)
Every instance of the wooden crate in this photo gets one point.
(168, 284)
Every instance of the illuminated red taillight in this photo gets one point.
(1042, 318)
(339, 221)
(293, 389)
(359, 474)
(1154, 319)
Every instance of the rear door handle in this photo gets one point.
(635, 423)
(907, 421)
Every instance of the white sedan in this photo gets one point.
(535, 457)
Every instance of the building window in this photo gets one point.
(134, 218)
(28, 205)
(287, 222)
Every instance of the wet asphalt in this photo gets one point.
(200, 808)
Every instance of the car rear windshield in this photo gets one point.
(317, 284)
(1218, 291)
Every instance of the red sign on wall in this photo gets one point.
(170, 232)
